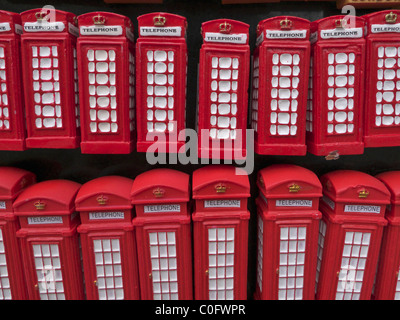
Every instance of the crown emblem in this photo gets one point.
(225, 27)
(340, 23)
(294, 188)
(41, 15)
(99, 20)
(158, 192)
(39, 205)
(391, 17)
(220, 188)
(159, 21)
(286, 24)
(102, 200)
(363, 193)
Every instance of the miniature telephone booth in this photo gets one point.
(387, 282)
(163, 234)
(48, 49)
(382, 86)
(223, 83)
(161, 55)
(353, 208)
(280, 86)
(108, 239)
(220, 232)
(336, 95)
(106, 67)
(12, 282)
(49, 240)
(287, 233)
(12, 120)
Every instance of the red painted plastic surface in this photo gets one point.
(382, 115)
(336, 95)
(387, 277)
(161, 62)
(163, 234)
(281, 209)
(106, 67)
(50, 79)
(49, 240)
(12, 120)
(220, 220)
(353, 207)
(106, 231)
(279, 87)
(12, 182)
(223, 84)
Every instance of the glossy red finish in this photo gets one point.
(336, 90)
(48, 49)
(382, 114)
(12, 182)
(279, 87)
(49, 240)
(12, 121)
(223, 84)
(106, 67)
(161, 62)
(163, 234)
(387, 276)
(220, 232)
(353, 208)
(287, 233)
(106, 226)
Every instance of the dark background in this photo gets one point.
(71, 164)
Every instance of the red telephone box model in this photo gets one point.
(336, 95)
(48, 49)
(287, 233)
(106, 66)
(12, 283)
(108, 239)
(161, 56)
(382, 89)
(223, 84)
(12, 120)
(220, 233)
(353, 209)
(49, 241)
(387, 283)
(280, 86)
(163, 234)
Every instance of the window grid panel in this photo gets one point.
(5, 289)
(164, 265)
(46, 87)
(108, 269)
(224, 97)
(341, 70)
(354, 258)
(291, 263)
(254, 102)
(48, 271)
(285, 82)
(309, 111)
(76, 89)
(260, 232)
(321, 243)
(5, 124)
(397, 292)
(102, 91)
(387, 100)
(160, 91)
(221, 242)
(131, 91)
